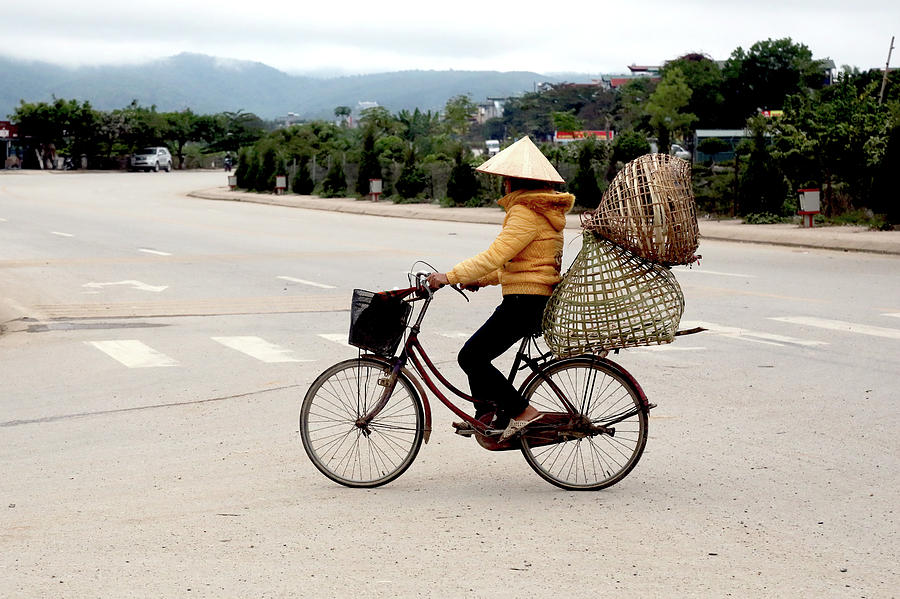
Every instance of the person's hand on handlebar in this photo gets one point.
(436, 280)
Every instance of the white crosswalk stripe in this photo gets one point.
(133, 354)
(748, 335)
(259, 348)
(305, 282)
(840, 325)
(339, 338)
(136, 354)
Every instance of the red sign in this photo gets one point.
(8, 130)
(574, 135)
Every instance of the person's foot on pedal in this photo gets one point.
(520, 422)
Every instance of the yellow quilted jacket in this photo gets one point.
(527, 254)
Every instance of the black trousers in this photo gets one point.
(516, 317)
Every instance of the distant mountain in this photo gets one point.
(207, 84)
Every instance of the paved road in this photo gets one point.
(149, 417)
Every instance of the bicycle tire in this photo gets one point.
(600, 392)
(338, 446)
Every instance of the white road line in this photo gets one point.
(455, 334)
(749, 335)
(339, 338)
(135, 284)
(310, 283)
(894, 314)
(259, 348)
(666, 348)
(156, 252)
(133, 353)
(712, 272)
(61, 234)
(840, 325)
(3, 220)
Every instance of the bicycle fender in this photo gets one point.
(426, 407)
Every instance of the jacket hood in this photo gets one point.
(552, 205)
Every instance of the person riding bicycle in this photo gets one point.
(525, 259)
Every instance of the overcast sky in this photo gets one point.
(352, 36)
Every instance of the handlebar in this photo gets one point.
(421, 288)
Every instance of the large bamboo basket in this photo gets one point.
(649, 208)
(611, 298)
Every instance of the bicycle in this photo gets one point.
(363, 420)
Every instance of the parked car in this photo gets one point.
(151, 159)
(680, 152)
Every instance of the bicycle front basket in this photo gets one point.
(377, 321)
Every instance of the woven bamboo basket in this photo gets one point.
(611, 298)
(649, 208)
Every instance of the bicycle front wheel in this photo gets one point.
(348, 451)
(609, 443)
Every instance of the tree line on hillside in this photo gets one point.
(840, 134)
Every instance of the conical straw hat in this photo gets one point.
(522, 160)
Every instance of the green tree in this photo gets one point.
(763, 188)
(302, 183)
(763, 76)
(459, 114)
(64, 126)
(268, 167)
(248, 168)
(417, 125)
(632, 102)
(369, 167)
(181, 128)
(591, 162)
(413, 180)
(628, 145)
(666, 108)
(566, 121)
(342, 113)
(836, 137)
(462, 188)
(704, 78)
(379, 120)
(532, 114)
(335, 182)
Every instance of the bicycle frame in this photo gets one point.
(422, 364)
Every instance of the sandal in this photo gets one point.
(517, 426)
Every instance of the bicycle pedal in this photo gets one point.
(464, 432)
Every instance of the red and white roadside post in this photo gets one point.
(375, 188)
(232, 182)
(809, 205)
(280, 184)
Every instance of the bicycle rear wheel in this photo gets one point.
(588, 460)
(347, 451)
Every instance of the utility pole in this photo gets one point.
(887, 67)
